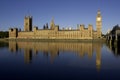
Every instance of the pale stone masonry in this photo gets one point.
(55, 33)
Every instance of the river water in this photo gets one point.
(59, 61)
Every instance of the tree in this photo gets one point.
(4, 34)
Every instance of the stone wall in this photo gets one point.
(81, 33)
(25, 35)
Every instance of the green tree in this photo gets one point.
(4, 34)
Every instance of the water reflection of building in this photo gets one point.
(98, 55)
(13, 46)
(27, 55)
(115, 49)
(52, 49)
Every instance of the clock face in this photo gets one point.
(98, 19)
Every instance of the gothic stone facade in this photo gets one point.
(55, 33)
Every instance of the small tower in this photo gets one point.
(28, 23)
(13, 33)
(99, 24)
(52, 24)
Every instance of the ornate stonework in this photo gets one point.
(55, 33)
(99, 24)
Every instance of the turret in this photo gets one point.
(35, 28)
(82, 27)
(28, 23)
(52, 25)
(13, 33)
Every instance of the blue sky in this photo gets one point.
(66, 13)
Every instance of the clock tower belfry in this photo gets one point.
(99, 24)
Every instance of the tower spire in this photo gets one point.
(52, 24)
(52, 20)
(98, 13)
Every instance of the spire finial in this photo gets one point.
(99, 11)
(52, 19)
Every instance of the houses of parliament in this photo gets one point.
(55, 33)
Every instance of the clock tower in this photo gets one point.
(99, 24)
